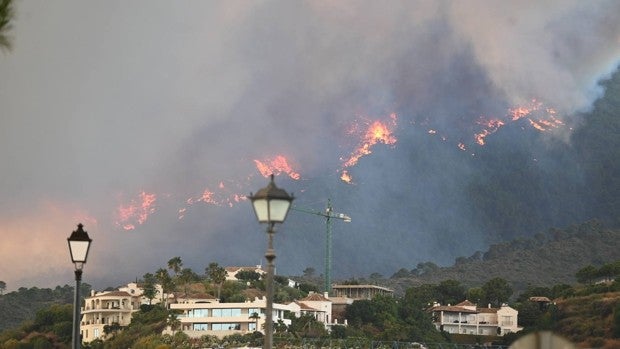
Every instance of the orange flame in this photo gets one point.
(227, 192)
(136, 212)
(514, 114)
(222, 197)
(276, 166)
(346, 177)
(377, 132)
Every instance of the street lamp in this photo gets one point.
(271, 205)
(79, 244)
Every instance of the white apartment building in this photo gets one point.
(207, 316)
(467, 318)
(111, 307)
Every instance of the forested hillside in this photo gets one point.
(547, 259)
(22, 305)
(522, 187)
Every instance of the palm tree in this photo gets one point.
(217, 275)
(173, 321)
(254, 316)
(187, 275)
(6, 15)
(148, 286)
(176, 265)
(166, 283)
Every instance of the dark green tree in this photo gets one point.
(535, 291)
(176, 265)
(306, 326)
(413, 312)
(476, 295)
(187, 276)
(450, 292)
(166, 282)
(609, 270)
(216, 275)
(529, 313)
(309, 272)
(255, 316)
(422, 296)
(401, 273)
(587, 275)
(497, 291)
(112, 329)
(360, 312)
(57, 319)
(148, 286)
(248, 275)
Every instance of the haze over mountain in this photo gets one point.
(146, 123)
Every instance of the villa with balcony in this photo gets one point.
(111, 308)
(200, 315)
(204, 315)
(467, 318)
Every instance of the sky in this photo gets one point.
(149, 123)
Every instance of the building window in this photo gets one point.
(225, 326)
(96, 332)
(198, 313)
(200, 327)
(226, 312)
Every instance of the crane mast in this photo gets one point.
(329, 214)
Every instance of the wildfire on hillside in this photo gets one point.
(136, 212)
(539, 117)
(377, 131)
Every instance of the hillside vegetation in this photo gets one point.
(22, 305)
(591, 320)
(545, 260)
(527, 182)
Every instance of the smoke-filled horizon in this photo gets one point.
(148, 123)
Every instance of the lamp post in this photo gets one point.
(271, 205)
(79, 244)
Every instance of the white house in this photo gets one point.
(467, 318)
(207, 316)
(112, 307)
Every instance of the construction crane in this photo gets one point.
(329, 214)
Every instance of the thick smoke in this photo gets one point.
(102, 103)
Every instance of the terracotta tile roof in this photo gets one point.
(114, 294)
(452, 308)
(316, 297)
(306, 307)
(465, 303)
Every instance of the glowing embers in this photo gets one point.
(539, 117)
(230, 192)
(369, 133)
(136, 212)
(223, 195)
(276, 166)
